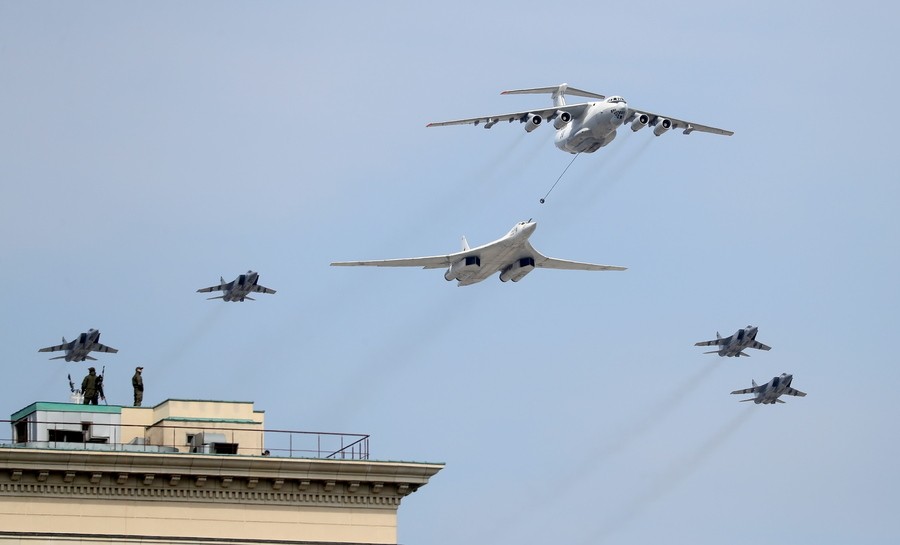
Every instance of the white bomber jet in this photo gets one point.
(512, 256)
(78, 349)
(734, 345)
(237, 289)
(587, 126)
(769, 393)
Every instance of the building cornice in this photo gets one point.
(212, 478)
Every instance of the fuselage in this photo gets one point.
(595, 128)
(774, 389)
(742, 339)
(83, 345)
(494, 256)
(241, 286)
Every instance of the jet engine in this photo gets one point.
(463, 269)
(562, 119)
(640, 122)
(532, 121)
(662, 126)
(517, 270)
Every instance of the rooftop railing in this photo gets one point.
(185, 438)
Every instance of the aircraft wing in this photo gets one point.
(575, 110)
(262, 289)
(220, 287)
(754, 390)
(103, 348)
(759, 346)
(65, 346)
(431, 262)
(716, 342)
(687, 126)
(545, 262)
(793, 392)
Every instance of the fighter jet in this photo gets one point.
(237, 289)
(512, 256)
(734, 345)
(769, 393)
(78, 349)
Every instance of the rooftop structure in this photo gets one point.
(193, 472)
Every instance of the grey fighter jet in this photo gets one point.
(769, 393)
(511, 255)
(78, 349)
(237, 289)
(734, 345)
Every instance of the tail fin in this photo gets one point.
(221, 280)
(64, 340)
(558, 93)
(755, 385)
(465, 244)
(718, 336)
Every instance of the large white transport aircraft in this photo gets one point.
(512, 256)
(587, 126)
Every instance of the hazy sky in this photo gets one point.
(149, 148)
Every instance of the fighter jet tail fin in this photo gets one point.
(222, 280)
(465, 244)
(718, 336)
(755, 385)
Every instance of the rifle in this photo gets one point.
(100, 385)
(71, 384)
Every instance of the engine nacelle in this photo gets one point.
(517, 270)
(662, 126)
(640, 122)
(562, 119)
(532, 121)
(463, 269)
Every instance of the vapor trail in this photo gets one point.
(672, 477)
(615, 443)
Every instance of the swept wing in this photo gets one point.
(103, 348)
(545, 262)
(262, 289)
(65, 346)
(220, 287)
(793, 392)
(687, 126)
(430, 262)
(575, 110)
(759, 346)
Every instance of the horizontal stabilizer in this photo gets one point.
(751, 399)
(58, 358)
(779, 401)
(712, 352)
(562, 89)
(219, 297)
(90, 358)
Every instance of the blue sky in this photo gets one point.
(149, 149)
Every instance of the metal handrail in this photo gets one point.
(310, 442)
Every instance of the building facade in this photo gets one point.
(192, 472)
